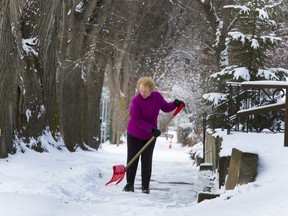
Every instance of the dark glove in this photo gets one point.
(156, 132)
(177, 103)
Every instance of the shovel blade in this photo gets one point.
(118, 174)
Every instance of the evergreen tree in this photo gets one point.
(249, 42)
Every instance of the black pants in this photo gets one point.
(134, 145)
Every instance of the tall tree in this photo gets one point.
(249, 41)
(81, 71)
(36, 83)
(7, 77)
(28, 71)
(52, 71)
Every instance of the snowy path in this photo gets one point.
(61, 183)
(174, 183)
(72, 184)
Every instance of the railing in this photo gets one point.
(254, 105)
(242, 99)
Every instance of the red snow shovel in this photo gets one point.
(120, 170)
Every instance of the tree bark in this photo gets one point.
(29, 65)
(80, 74)
(7, 79)
(36, 88)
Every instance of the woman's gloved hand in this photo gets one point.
(177, 103)
(155, 132)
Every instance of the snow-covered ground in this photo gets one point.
(62, 183)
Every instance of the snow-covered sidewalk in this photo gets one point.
(60, 183)
(63, 183)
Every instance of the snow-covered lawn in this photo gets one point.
(62, 183)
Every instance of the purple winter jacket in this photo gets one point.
(144, 114)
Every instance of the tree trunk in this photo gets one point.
(36, 88)
(7, 79)
(219, 19)
(29, 71)
(81, 74)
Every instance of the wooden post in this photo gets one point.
(242, 168)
